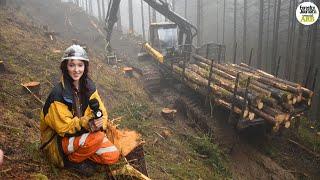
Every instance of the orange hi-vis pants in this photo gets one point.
(94, 146)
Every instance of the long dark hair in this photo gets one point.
(83, 88)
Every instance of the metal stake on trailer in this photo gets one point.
(231, 115)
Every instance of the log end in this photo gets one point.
(2, 68)
(33, 86)
(168, 113)
(251, 116)
(128, 71)
(260, 105)
(287, 124)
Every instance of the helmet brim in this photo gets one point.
(75, 58)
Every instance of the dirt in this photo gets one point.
(245, 159)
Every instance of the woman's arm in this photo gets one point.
(62, 121)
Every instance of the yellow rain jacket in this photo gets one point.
(58, 120)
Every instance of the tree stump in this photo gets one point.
(33, 86)
(2, 68)
(168, 114)
(128, 72)
(166, 134)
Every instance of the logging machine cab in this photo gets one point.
(164, 38)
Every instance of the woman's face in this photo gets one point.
(75, 69)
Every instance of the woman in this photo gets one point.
(70, 135)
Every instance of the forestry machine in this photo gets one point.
(168, 40)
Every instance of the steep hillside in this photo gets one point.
(30, 55)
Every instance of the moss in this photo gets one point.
(215, 157)
(39, 176)
(32, 150)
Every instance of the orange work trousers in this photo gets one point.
(94, 146)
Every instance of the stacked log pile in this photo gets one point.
(264, 96)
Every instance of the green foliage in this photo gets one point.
(32, 149)
(204, 146)
(39, 176)
(308, 136)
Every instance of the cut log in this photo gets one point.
(264, 115)
(258, 84)
(306, 101)
(219, 81)
(267, 75)
(128, 72)
(33, 86)
(251, 116)
(277, 114)
(2, 68)
(168, 114)
(269, 97)
(268, 81)
(223, 103)
(287, 124)
(130, 172)
(306, 92)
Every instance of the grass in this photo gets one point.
(308, 136)
(215, 157)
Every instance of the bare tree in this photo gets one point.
(142, 20)
(235, 26)
(267, 43)
(293, 39)
(298, 53)
(199, 24)
(99, 10)
(103, 9)
(289, 43)
(90, 8)
(185, 8)
(3, 2)
(259, 52)
(245, 6)
(130, 16)
(87, 9)
(217, 20)
(119, 25)
(275, 37)
(149, 13)
(224, 18)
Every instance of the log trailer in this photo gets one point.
(253, 96)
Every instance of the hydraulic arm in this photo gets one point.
(187, 30)
(111, 19)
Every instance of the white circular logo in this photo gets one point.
(99, 114)
(307, 13)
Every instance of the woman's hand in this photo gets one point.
(96, 124)
(1, 157)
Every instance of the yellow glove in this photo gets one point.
(84, 121)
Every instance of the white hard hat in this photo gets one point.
(75, 52)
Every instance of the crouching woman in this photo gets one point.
(71, 133)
